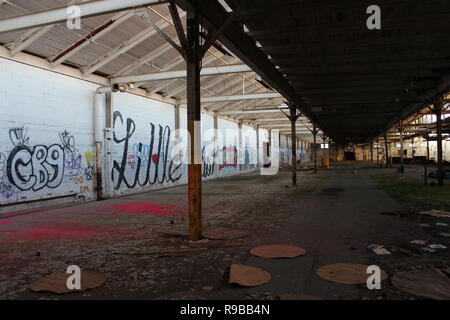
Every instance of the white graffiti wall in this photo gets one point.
(46, 135)
(142, 145)
(47, 147)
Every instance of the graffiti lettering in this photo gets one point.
(209, 162)
(230, 157)
(18, 136)
(72, 156)
(89, 171)
(89, 156)
(36, 168)
(153, 156)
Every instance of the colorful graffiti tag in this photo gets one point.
(230, 157)
(27, 167)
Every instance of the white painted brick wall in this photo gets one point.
(46, 134)
(47, 147)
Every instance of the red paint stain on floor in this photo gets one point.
(148, 208)
(23, 212)
(5, 222)
(54, 232)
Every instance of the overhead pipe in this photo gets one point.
(181, 74)
(253, 96)
(99, 127)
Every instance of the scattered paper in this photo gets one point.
(420, 242)
(436, 213)
(378, 249)
(430, 283)
(381, 251)
(374, 246)
(437, 246)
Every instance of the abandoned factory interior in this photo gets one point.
(201, 151)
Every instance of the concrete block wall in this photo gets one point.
(286, 150)
(418, 148)
(46, 135)
(49, 145)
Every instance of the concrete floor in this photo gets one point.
(334, 215)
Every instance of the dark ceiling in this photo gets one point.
(358, 82)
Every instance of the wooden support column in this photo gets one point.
(427, 159)
(402, 166)
(241, 149)
(257, 146)
(192, 52)
(194, 118)
(315, 147)
(386, 150)
(329, 152)
(371, 151)
(378, 152)
(293, 117)
(438, 106)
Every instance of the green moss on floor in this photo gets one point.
(413, 190)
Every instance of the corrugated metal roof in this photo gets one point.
(59, 38)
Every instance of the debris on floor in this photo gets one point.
(424, 225)
(436, 213)
(440, 224)
(297, 297)
(277, 251)
(57, 282)
(346, 273)
(381, 251)
(429, 283)
(248, 276)
(419, 242)
(261, 296)
(378, 249)
(437, 246)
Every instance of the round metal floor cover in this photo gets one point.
(248, 276)
(277, 251)
(57, 282)
(346, 273)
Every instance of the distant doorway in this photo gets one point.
(349, 155)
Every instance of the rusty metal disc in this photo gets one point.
(248, 276)
(275, 251)
(346, 273)
(57, 282)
